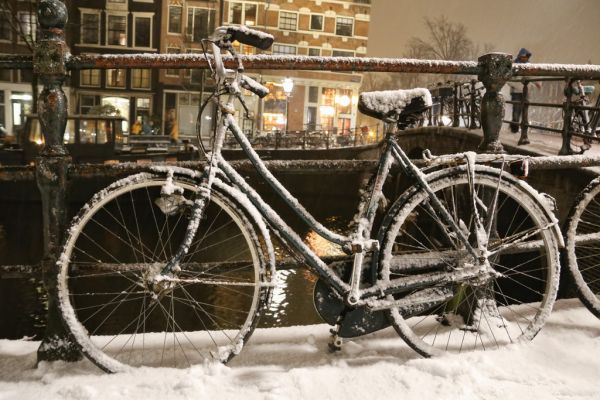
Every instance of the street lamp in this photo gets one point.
(288, 86)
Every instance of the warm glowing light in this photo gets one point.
(343, 100)
(288, 86)
(327, 111)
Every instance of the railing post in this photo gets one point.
(455, 110)
(525, 114)
(473, 105)
(495, 69)
(568, 115)
(49, 61)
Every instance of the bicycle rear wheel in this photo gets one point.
(583, 246)
(124, 312)
(505, 305)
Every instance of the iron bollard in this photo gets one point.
(566, 134)
(51, 168)
(495, 69)
(524, 114)
(473, 104)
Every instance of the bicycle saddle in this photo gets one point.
(245, 35)
(389, 104)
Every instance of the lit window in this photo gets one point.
(140, 78)
(288, 21)
(175, 23)
(115, 78)
(90, 28)
(117, 30)
(344, 26)
(143, 31)
(90, 77)
(28, 23)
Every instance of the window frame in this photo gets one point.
(180, 7)
(314, 48)
(141, 15)
(189, 27)
(8, 27)
(167, 70)
(32, 25)
(284, 45)
(337, 18)
(124, 86)
(310, 28)
(91, 72)
(243, 18)
(106, 33)
(90, 11)
(279, 21)
(141, 71)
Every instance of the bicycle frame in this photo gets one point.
(359, 241)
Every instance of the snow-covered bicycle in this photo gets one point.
(173, 267)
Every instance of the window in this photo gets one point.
(342, 53)
(175, 23)
(117, 30)
(288, 21)
(115, 78)
(142, 31)
(242, 13)
(89, 77)
(314, 51)
(140, 78)
(313, 94)
(90, 28)
(316, 22)
(2, 108)
(284, 49)
(344, 26)
(87, 103)
(5, 31)
(200, 23)
(172, 72)
(28, 22)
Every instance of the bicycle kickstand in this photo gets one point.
(335, 341)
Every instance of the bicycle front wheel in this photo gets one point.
(508, 302)
(583, 246)
(119, 306)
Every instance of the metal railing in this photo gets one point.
(53, 170)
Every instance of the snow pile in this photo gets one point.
(292, 363)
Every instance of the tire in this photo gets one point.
(510, 304)
(124, 313)
(582, 256)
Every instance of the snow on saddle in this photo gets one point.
(391, 104)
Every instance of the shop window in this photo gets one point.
(313, 94)
(90, 28)
(87, 103)
(116, 30)
(344, 26)
(175, 16)
(274, 108)
(288, 21)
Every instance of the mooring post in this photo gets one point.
(49, 62)
(495, 69)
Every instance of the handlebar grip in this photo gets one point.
(245, 35)
(253, 86)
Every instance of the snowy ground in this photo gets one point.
(563, 362)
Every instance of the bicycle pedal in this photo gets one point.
(335, 344)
